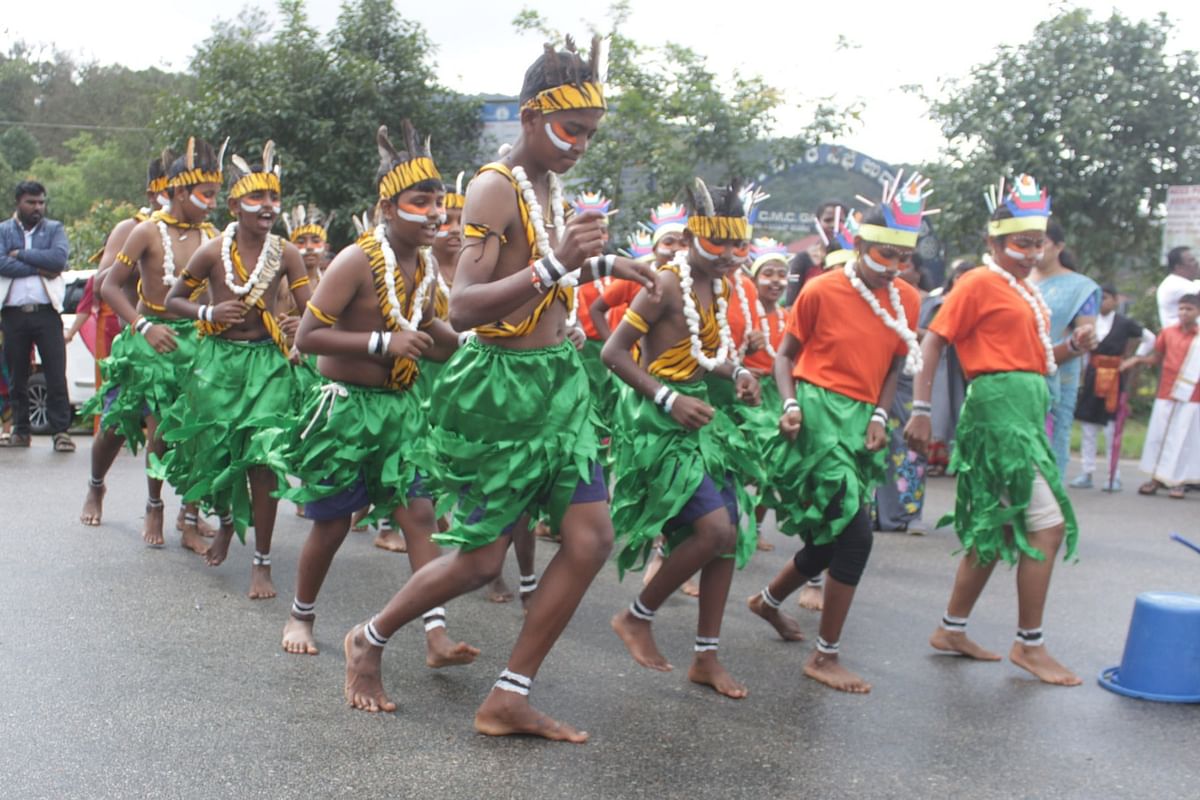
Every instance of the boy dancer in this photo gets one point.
(1171, 455)
(851, 332)
(242, 382)
(1010, 500)
(150, 360)
(357, 438)
(674, 451)
(511, 423)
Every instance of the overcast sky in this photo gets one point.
(793, 45)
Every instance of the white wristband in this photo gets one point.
(737, 372)
(881, 412)
(791, 404)
(660, 396)
(670, 402)
(204, 313)
(920, 412)
(385, 339)
(554, 267)
(465, 337)
(142, 325)
(373, 343)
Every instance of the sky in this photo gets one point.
(884, 46)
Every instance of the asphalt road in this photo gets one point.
(130, 672)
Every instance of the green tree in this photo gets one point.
(18, 148)
(1099, 111)
(88, 233)
(321, 99)
(671, 118)
(96, 171)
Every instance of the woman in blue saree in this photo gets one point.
(1074, 301)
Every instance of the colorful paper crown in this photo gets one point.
(405, 168)
(640, 244)
(903, 207)
(455, 198)
(570, 91)
(706, 223)
(844, 233)
(667, 218)
(1029, 204)
(248, 181)
(591, 201)
(765, 250)
(310, 221)
(193, 173)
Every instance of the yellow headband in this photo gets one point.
(838, 257)
(455, 200)
(568, 97)
(410, 173)
(255, 182)
(192, 177)
(720, 229)
(1002, 227)
(157, 185)
(881, 234)
(310, 230)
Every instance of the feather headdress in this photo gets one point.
(574, 88)
(247, 180)
(725, 220)
(307, 221)
(400, 169)
(198, 164)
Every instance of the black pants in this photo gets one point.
(23, 330)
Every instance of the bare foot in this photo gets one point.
(957, 642)
(392, 541)
(498, 591)
(690, 588)
(152, 526)
(825, 669)
(192, 539)
(542, 531)
(708, 671)
(639, 640)
(1043, 665)
(202, 527)
(443, 524)
(298, 637)
(508, 714)
(764, 545)
(784, 625)
(442, 651)
(652, 568)
(261, 587)
(205, 530)
(356, 521)
(364, 686)
(219, 549)
(93, 505)
(811, 597)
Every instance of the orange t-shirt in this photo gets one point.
(737, 320)
(991, 327)
(1174, 343)
(776, 326)
(585, 295)
(617, 296)
(845, 347)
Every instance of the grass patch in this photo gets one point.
(1133, 439)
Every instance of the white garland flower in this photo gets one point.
(241, 290)
(744, 303)
(692, 316)
(168, 265)
(389, 279)
(765, 327)
(538, 219)
(1041, 312)
(914, 361)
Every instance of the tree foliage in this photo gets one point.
(1098, 111)
(671, 118)
(321, 99)
(95, 171)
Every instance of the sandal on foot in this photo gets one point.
(1149, 488)
(63, 443)
(15, 440)
(1176, 493)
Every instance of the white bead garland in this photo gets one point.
(227, 259)
(914, 362)
(765, 327)
(1041, 312)
(538, 220)
(692, 316)
(168, 265)
(744, 302)
(389, 280)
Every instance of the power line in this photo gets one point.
(71, 126)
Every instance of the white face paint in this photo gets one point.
(408, 216)
(555, 139)
(163, 199)
(707, 256)
(874, 265)
(1021, 257)
(664, 252)
(254, 208)
(198, 202)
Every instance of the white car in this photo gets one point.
(81, 365)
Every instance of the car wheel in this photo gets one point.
(39, 404)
